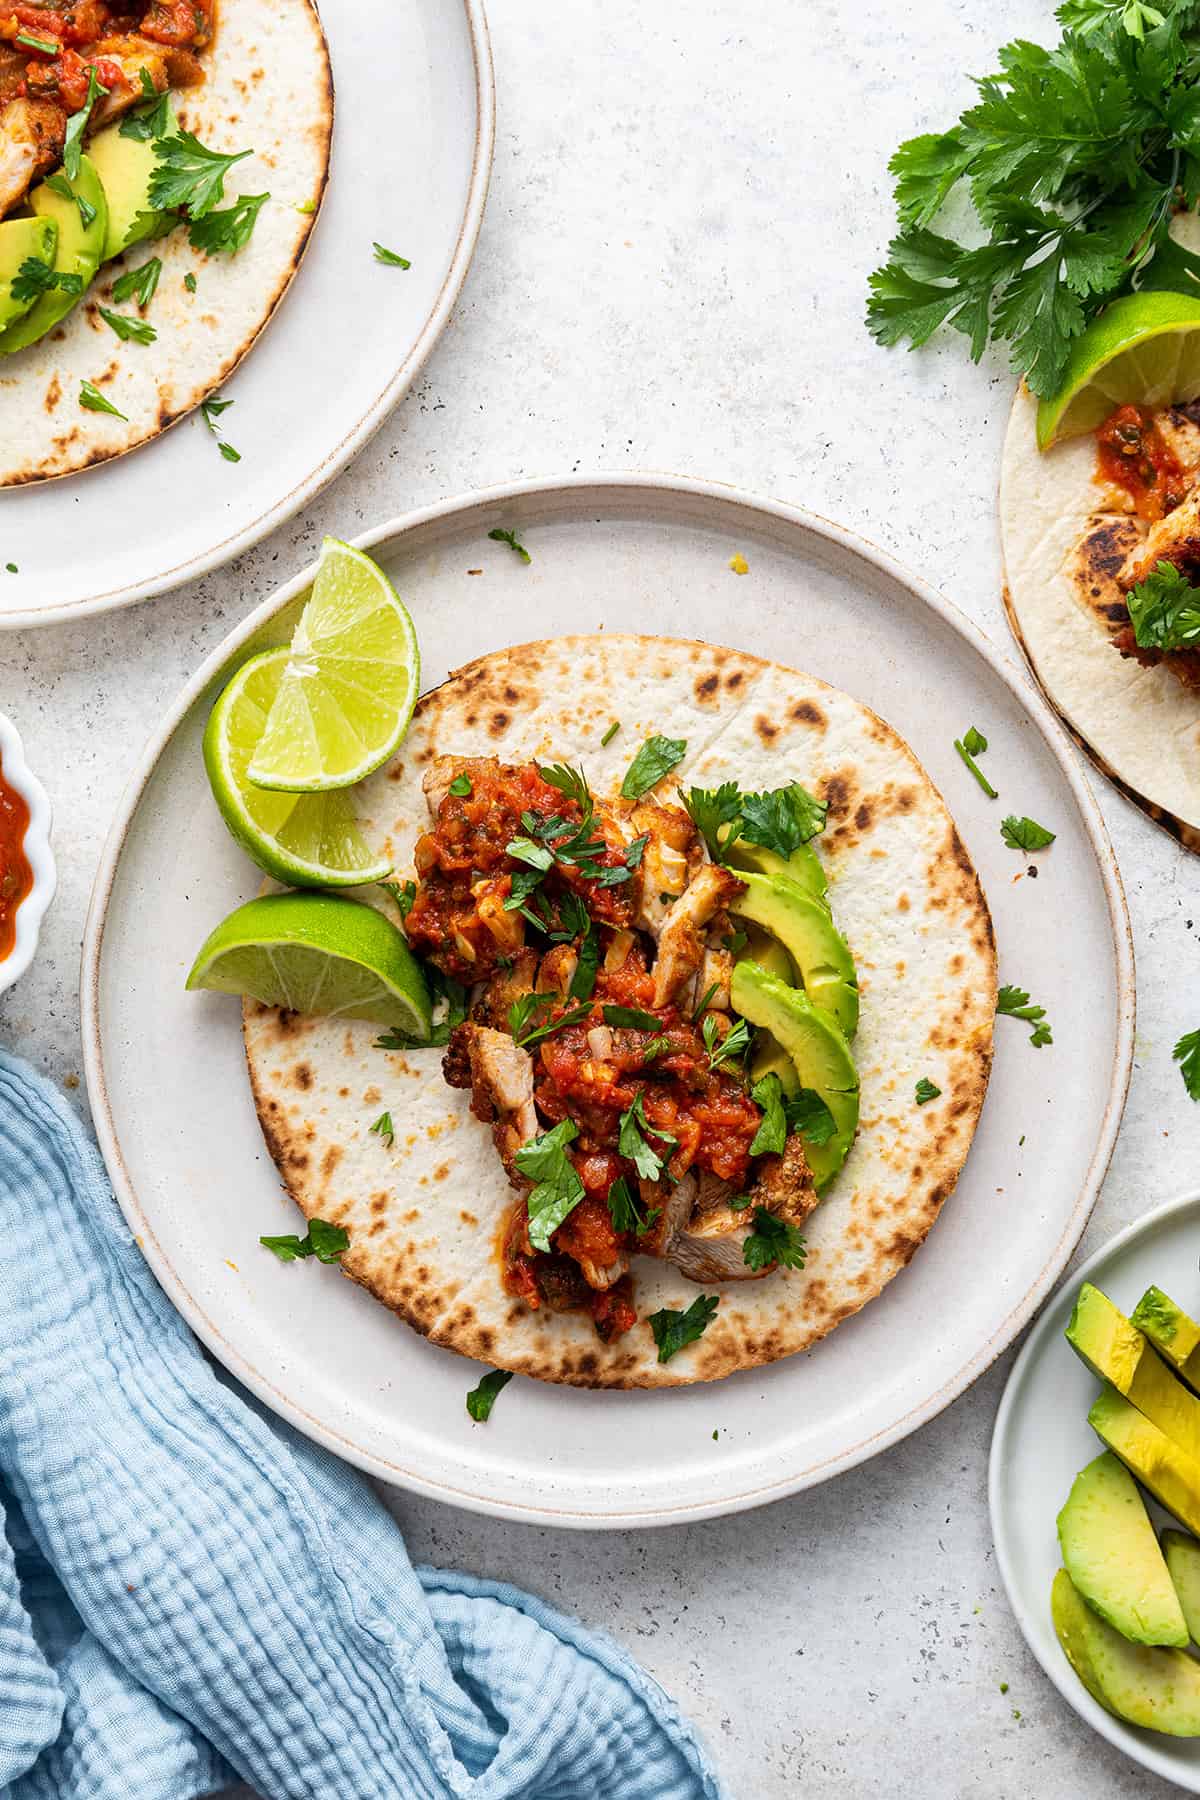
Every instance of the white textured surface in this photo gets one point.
(686, 203)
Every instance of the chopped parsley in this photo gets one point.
(481, 1399)
(773, 1241)
(390, 257)
(630, 1018)
(93, 400)
(808, 1114)
(624, 1211)
(35, 278)
(461, 787)
(128, 329)
(525, 1013)
(583, 981)
(226, 231)
(711, 810)
(77, 125)
(229, 453)
(322, 1240)
(771, 1137)
(558, 1188)
(656, 1046)
(212, 410)
(12, 568)
(142, 282)
(500, 536)
(1015, 1002)
(47, 46)
(187, 173)
(58, 184)
(632, 1142)
(730, 1048)
(1165, 610)
(674, 1331)
(441, 987)
(189, 282)
(926, 1091)
(702, 1005)
(151, 120)
(656, 758)
(611, 733)
(1025, 834)
(781, 819)
(1187, 1054)
(383, 1128)
(969, 746)
(404, 893)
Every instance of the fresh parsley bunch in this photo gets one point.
(1074, 160)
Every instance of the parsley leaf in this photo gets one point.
(128, 328)
(1025, 834)
(521, 849)
(481, 1399)
(153, 119)
(189, 282)
(808, 1114)
(441, 987)
(773, 1241)
(228, 230)
(772, 1134)
(77, 125)
(187, 173)
(521, 1016)
(500, 536)
(630, 1018)
(93, 400)
(624, 1212)
(969, 746)
(674, 1330)
(395, 261)
(611, 733)
(657, 756)
(35, 278)
(568, 781)
(47, 46)
(58, 184)
(558, 1188)
(782, 819)
(212, 410)
(729, 1048)
(1135, 16)
(460, 786)
(404, 893)
(1165, 610)
(324, 1241)
(383, 1128)
(1187, 1054)
(926, 1091)
(712, 811)
(1015, 1002)
(632, 1142)
(583, 981)
(142, 281)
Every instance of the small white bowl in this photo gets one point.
(36, 845)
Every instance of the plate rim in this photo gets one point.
(1143, 1749)
(334, 461)
(608, 486)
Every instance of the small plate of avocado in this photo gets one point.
(1094, 1490)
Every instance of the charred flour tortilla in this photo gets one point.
(425, 1216)
(267, 87)
(1062, 551)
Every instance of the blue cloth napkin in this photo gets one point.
(189, 1590)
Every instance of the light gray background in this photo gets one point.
(687, 199)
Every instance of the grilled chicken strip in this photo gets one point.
(558, 970)
(505, 987)
(672, 849)
(500, 1077)
(31, 143)
(131, 54)
(438, 776)
(681, 943)
(784, 1184)
(1174, 539)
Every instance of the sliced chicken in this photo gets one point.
(712, 979)
(1174, 539)
(505, 987)
(1181, 434)
(500, 1077)
(784, 1184)
(435, 784)
(31, 142)
(665, 866)
(681, 943)
(131, 55)
(712, 1247)
(558, 970)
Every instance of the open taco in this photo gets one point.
(160, 172)
(692, 973)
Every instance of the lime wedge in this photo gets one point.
(303, 840)
(350, 683)
(318, 954)
(1143, 350)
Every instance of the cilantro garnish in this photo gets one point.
(611, 733)
(77, 125)
(525, 1012)
(657, 756)
(568, 781)
(926, 1091)
(624, 1212)
(189, 282)
(142, 281)
(58, 184)
(460, 786)
(228, 230)
(656, 1046)
(1015, 1002)
(674, 1330)
(383, 1128)
(35, 278)
(772, 1134)
(969, 746)
(404, 893)
(730, 1048)
(93, 400)
(441, 987)
(394, 261)
(773, 1241)
(1165, 610)
(229, 453)
(583, 981)
(1187, 1054)
(500, 536)
(783, 819)
(702, 1005)
(127, 329)
(47, 46)
(322, 1240)
(633, 1144)
(481, 1399)
(808, 1114)
(630, 1018)
(558, 1188)
(712, 809)
(212, 410)
(1074, 160)
(152, 120)
(187, 173)
(1025, 834)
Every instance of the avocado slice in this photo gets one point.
(78, 252)
(818, 1051)
(1112, 1555)
(769, 954)
(1173, 1334)
(808, 934)
(1183, 1565)
(1157, 1689)
(803, 866)
(1116, 1351)
(1154, 1459)
(125, 165)
(21, 239)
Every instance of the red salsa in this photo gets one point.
(16, 876)
(1136, 458)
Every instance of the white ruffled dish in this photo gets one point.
(36, 845)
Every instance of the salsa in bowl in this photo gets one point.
(27, 873)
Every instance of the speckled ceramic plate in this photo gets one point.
(344, 345)
(1042, 1440)
(168, 1081)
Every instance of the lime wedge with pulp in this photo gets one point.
(1143, 350)
(350, 682)
(303, 840)
(318, 954)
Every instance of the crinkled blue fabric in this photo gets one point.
(191, 1592)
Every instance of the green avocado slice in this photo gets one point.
(807, 932)
(1151, 1457)
(1174, 1335)
(1115, 1350)
(819, 1054)
(20, 240)
(1112, 1555)
(125, 166)
(1183, 1565)
(1155, 1688)
(803, 866)
(78, 251)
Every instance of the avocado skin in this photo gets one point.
(818, 1051)
(1112, 1555)
(1173, 1333)
(806, 930)
(1115, 1350)
(1158, 1689)
(803, 867)
(1170, 1474)
(19, 239)
(78, 253)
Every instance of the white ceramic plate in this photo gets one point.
(345, 344)
(1042, 1440)
(172, 1105)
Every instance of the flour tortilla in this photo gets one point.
(425, 1216)
(1141, 726)
(268, 87)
